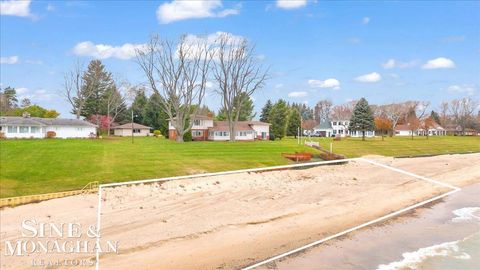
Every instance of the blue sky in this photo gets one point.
(384, 51)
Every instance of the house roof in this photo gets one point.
(199, 117)
(223, 126)
(324, 125)
(129, 126)
(402, 127)
(258, 123)
(37, 121)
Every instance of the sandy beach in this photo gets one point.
(228, 222)
(443, 235)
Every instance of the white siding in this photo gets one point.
(128, 132)
(71, 131)
(60, 131)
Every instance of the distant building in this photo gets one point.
(205, 128)
(127, 129)
(332, 128)
(405, 130)
(36, 127)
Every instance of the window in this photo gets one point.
(23, 129)
(197, 133)
(79, 128)
(12, 129)
(136, 130)
(242, 133)
(225, 133)
(196, 122)
(334, 123)
(34, 129)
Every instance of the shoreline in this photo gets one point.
(221, 222)
(404, 241)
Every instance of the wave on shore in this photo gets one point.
(449, 251)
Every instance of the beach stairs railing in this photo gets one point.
(324, 154)
(91, 187)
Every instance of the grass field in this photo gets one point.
(42, 166)
(402, 146)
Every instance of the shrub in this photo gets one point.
(187, 137)
(157, 133)
(272, 137)
(51, 134)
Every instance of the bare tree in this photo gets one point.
(463, 111)
(395, 112)
(322, 110)
(178, 71)
(115, 105)
(74, 89)
(444, 109)
(237, 73)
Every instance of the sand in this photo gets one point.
(232, 221)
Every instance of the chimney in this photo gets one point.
(25, 115)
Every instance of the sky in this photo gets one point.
(341, 51)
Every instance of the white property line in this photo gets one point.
(383, 218)
(455, 189)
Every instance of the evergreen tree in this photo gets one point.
(278, 118)
(246, 111)
(8, 99)
(99, 81)
(362, 118)
(294, 122)
(434, 115)
(138, 106)
(265, 115)
(155, 115)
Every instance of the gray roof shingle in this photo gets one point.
(37, 121)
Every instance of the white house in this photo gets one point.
(332, 128)
(205, 128)
(405, 130)
(36, 127)
(127, 129)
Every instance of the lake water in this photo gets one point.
(444, 236)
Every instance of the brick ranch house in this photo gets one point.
(204, 128)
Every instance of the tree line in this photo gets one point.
(462, 114)
(10, 106)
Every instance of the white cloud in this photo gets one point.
(178, 10)
(440, 62)
(195, 43)
(279, 85)
(21, 90)
(392, 63)
(50, 7)
(366, 20)
(328, 83)
(298, 94)
(369, 78)
(103, 51)
(40, 95)
(209, 85)
(10, 60)
(34, 62)
(15, 8)
(468, 89)
(291, 4)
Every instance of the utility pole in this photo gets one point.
(132, 126)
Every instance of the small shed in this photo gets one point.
(126, 130)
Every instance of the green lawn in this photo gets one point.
(41, 166)
(402, 146)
